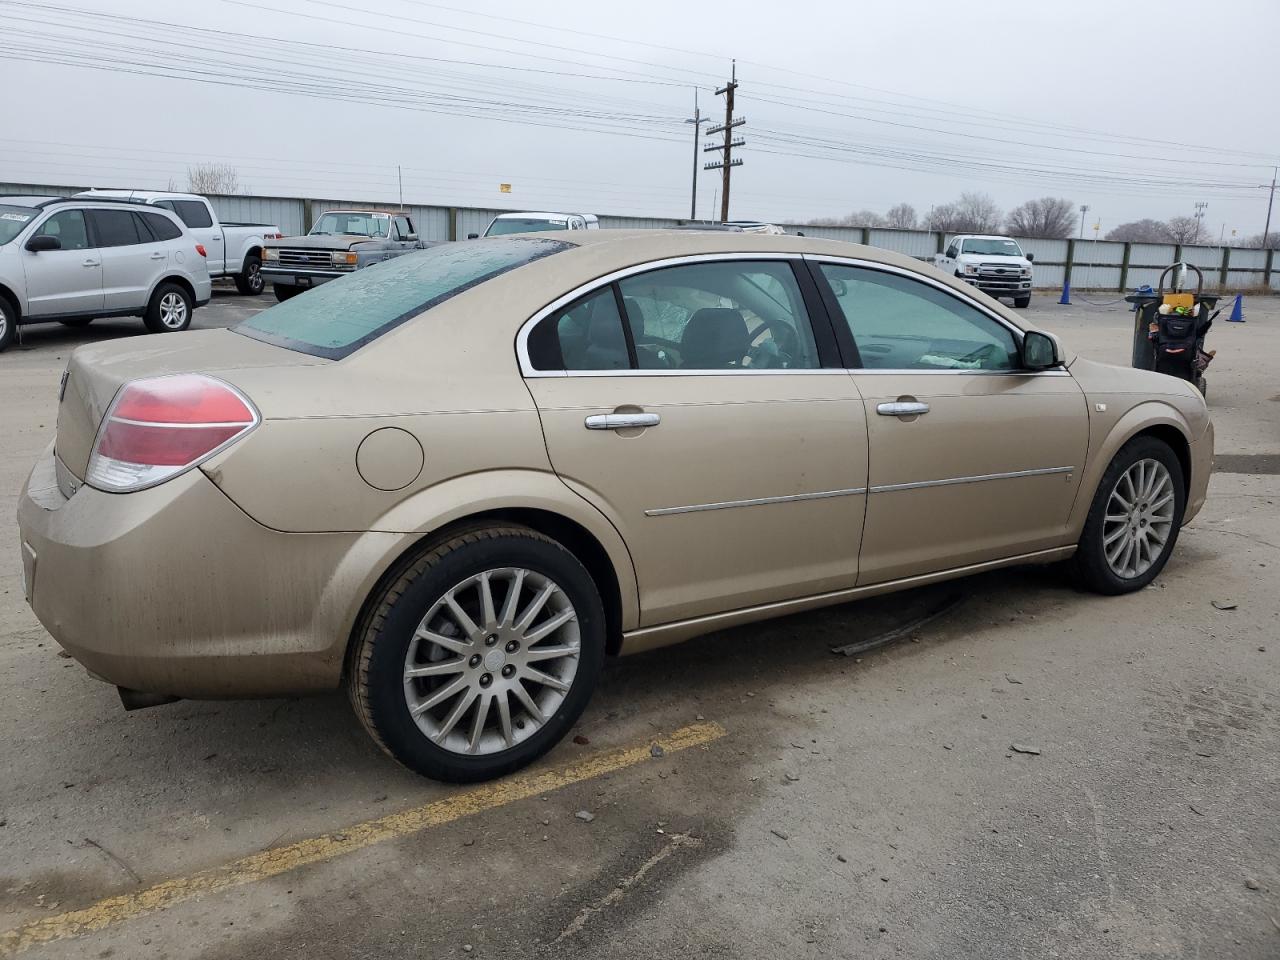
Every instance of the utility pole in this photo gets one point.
(1266, 231)
(697, 120)
(400, 179)
(1084, 208)
(726, 163)
(1201, 206)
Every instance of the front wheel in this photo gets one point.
(8, 323)
(170, 309)
(480, 656)
(1134, 520)
(1022, 302)
(249, 280)
(285, 291)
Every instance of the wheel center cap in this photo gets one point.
(494, 659)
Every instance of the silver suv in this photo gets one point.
(72, 260)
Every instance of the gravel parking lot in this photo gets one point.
(744, 795)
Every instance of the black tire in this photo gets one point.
(285, 291)
(1022, 302)
(8, 323)
(162, 314)
(249, 280)
(77, 322)
(375, 674)
(1090, 562)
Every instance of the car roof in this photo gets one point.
(137, 196)
(387, 213)
(23, 200)
(35, 202)
(540, 215)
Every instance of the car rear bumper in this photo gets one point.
(175, 590)
(1201, 468)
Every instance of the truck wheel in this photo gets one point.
(249, 280)
(170, 309)
(8, 323)
(480, 656)
(1022, 302)
(284, 291)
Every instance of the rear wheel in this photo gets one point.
(249, 280)
(170, 309)
(1134, 520)
(480, 656)
(8, 323)
(1022, 302)
(284, 291)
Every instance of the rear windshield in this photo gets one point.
(339, 317)
(524, 225)
(13, 220)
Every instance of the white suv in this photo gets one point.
(72, 260)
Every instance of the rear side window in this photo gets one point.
(115, 228)
(162, 228)
(585, 335)
(338, 318)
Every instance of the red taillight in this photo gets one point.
(159, 427)
(201, 250)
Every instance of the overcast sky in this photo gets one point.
(1139, 109)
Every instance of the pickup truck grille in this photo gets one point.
(305, 258)
(998, 271)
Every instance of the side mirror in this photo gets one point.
(42, 241)
(1030, 257)
(1040, 351)
(473, 236)
(411, 237)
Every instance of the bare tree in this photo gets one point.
(980, 213)
(1141, 231)
(1049, 217)
(1272, 241)
(947, 218)
(862, 218)
(214, 178)
(902, 216)
(1185, 229)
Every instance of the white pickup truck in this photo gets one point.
(234, 249)
(995, 265)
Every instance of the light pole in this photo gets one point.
(1084, 208)
(697, 120)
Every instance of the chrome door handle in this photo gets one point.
(620, 421)
(157, 256)
(902, 408)
(89, 263)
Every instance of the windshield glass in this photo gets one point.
(339, 317)
(523, 225)
(993, 248)
(12, 221)
(354, 224)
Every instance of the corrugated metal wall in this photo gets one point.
(1095, 263)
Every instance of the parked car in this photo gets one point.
(71, 260)
(456, 482)
(995, 265)
(505, 223)
(235, 249)
(341, 241)
(755, 226)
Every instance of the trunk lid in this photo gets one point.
(97, 371)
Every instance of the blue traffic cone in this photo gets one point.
(1237, 310)
(1066, 293)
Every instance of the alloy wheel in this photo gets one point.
(256, 283)
(1138, 519)
(492, 661)
(173, 311)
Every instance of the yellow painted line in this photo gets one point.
(277, 860)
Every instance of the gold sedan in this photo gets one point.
(457, 481)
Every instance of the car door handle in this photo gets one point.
(620, 421)
(89, 263)
(157, 256)
(902, 408)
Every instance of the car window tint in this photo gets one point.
(162, 228)
(729, 315)
(403, 227)
(68, 227)
(343, 315)
(115, 228)
(903, 324)
(192, 212)
(585, 335)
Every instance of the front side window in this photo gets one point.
(115, 228)
(336, 319)
(403, 228)
(68, 226)
(191, 212)
(899, 323)
(730, 315)
(352, 224)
